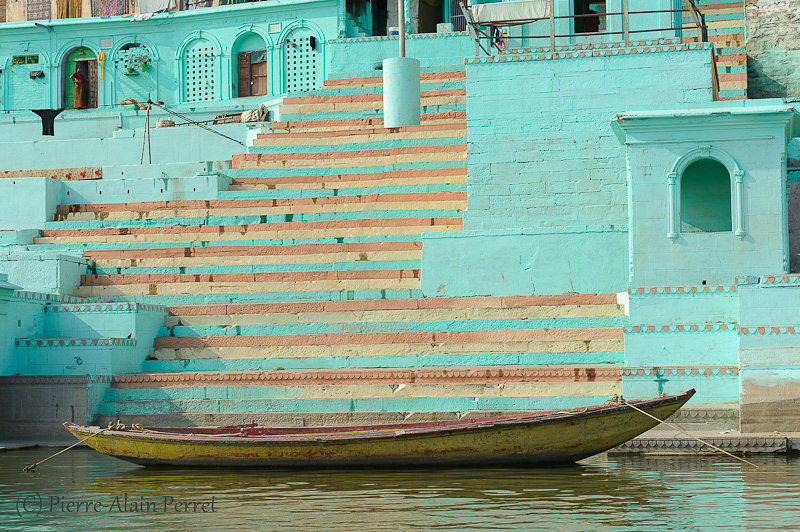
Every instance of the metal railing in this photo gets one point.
(487, 32)
(689, 7)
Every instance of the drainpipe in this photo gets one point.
(401, 82)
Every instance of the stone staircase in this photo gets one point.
(294, 296)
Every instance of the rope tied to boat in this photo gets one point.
(111, 426)
(619, 400)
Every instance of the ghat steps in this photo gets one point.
(294, 297)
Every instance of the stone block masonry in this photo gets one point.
(541, 152)
(773, 49)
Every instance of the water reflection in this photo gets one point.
(622, 493)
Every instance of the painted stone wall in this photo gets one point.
(773, 48)
(547, 187)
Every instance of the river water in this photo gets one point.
(83, 490)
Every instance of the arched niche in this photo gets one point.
(702, 183)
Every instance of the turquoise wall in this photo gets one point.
(531, 261)
(214, 30)
(367, 54)
(547, 186)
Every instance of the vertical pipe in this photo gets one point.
(625, 22)
(552, 25)
(401, 23)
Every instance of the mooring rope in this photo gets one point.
(622, 401)
(118, 426)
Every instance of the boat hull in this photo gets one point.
(552, 438)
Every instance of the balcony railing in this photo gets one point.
(487, 32)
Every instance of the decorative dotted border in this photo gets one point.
(769, 330)
(357, 376)
(780, 279)
(588, 53)
(106, 307)
(681, 290)
(572, 47)
(22, 294)
(397, 37)
(71, 342)
(706, 327)
(12, 380)
(705, 372)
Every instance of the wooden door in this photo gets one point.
(252, 77)
(244, 73)
(258, 79)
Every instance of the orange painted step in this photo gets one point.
(365, 131)
(350, 178)
(279, 226)
(363, 122)
(259, 277)
(354, 98)
(242, 251)
(393, 304)
(149, 206)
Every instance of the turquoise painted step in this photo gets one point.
(400, 404)
(367, 113)
(411, 361)
(293, 193)
(356, 265)
(254, 219)
(456, 67)
(359, 146)
(393, 327)
(271, 297)
(295, 172)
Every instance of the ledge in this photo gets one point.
(703, 327)
(687, 371)
(72, 342)
(681, 290)
(105, 307)
(396, 37)
(376, 376)
(588, 51)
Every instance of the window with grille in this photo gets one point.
(199, 71)
(302, 60)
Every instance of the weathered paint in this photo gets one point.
(547, 438)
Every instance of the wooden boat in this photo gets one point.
(550, 437)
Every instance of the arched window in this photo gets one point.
(135, 68)
(301, 53)
(249, 53)
(705, 205)
(198, 64)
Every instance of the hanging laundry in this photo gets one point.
(155, 6)
(48, 117)
(109, 8)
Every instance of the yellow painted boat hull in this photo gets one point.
(541, 438)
